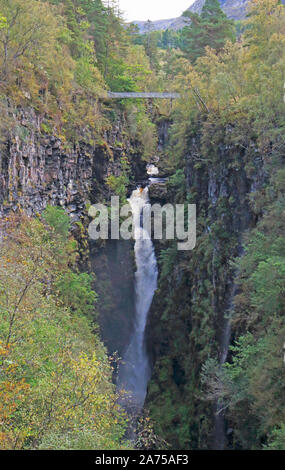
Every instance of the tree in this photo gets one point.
(56, 389)
(25, 28)
(212, 28)
(150, 44)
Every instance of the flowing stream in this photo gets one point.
(134, 372)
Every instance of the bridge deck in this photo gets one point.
(171, 96)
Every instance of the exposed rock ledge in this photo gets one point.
(37, 170)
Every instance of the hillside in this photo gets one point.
(156, 325)
(235, 9)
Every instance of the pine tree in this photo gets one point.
(150, 44)
(212, 28)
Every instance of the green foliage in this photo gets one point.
(167, 260)
(119, 184)
(156, 41)
(22, 33)
(276, 439)
(227, 130)
(56, 388)
(177, 183)
(56, 218)
(75, 291)
(212, 28)
(43, 66)
(3, 22)
(150, 45)
(59, 56)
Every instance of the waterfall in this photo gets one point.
(134, 372)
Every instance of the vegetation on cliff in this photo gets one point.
(210, 28)
(227, 156)
(60, 57)
(57, 59)
(56, 380)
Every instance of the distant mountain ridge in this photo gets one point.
(235, 9)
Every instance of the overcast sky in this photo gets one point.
(153, 9)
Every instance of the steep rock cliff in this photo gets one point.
(38, 169)
(189, 316)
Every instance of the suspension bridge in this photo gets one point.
(143, 95)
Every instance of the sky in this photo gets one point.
(153, 9)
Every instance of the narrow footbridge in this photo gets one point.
(146, 95)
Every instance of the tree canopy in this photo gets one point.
(212, 28)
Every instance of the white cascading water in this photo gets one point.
(134, 372)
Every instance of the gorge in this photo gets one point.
(100, 336)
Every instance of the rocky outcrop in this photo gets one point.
(189, 316)
(37, 170)
(158, 192)
(235, 9)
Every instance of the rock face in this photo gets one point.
(158, 192)
(235, 9)
(189, 315)
(114, 266)
(37, 170)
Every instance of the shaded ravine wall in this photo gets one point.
(188, 318)
(36, 170)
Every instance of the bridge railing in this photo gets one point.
(144, 95)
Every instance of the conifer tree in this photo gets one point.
(212, 28)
